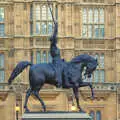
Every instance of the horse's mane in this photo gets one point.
(82, 58)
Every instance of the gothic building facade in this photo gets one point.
(84, 26)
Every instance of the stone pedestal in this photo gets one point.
(56, 116)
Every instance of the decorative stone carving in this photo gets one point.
(3, 95)
(98, 95)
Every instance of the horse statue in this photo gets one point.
(39, 74)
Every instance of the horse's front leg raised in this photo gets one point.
(75, 90)
(84, 84)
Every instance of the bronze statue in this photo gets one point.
(69, 76)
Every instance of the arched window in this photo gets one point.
(92, 114)
(98, 115)
(38, 57)
(44, 57)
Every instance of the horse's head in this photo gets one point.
(91, 66)
(86, 61)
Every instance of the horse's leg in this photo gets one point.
(75, 90)
(36, 93)
(28, 93)
(84, 84)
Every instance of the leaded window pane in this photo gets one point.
(85, 79)
(90, 31)
(1, 61)
(44, 13)
(2, 28)
(84, 15)
(98, 115)
(38, 57)
(50, 28)
(37, 12)
(96, 16)
(38, 27)
(49, 58)
(101, 31)
(44, 57)
(101, 62)
(96, 31)
(2, 76)
(1, 14)
(44, 28)
(90, 16)
(96, 76)
(102, 76)
(97, 57)
(101, 15)
(84, 31)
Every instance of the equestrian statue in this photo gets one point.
(58, 73)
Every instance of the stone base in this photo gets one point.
(56, 116)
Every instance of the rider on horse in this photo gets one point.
(57, 62)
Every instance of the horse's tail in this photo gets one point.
(18, 69)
